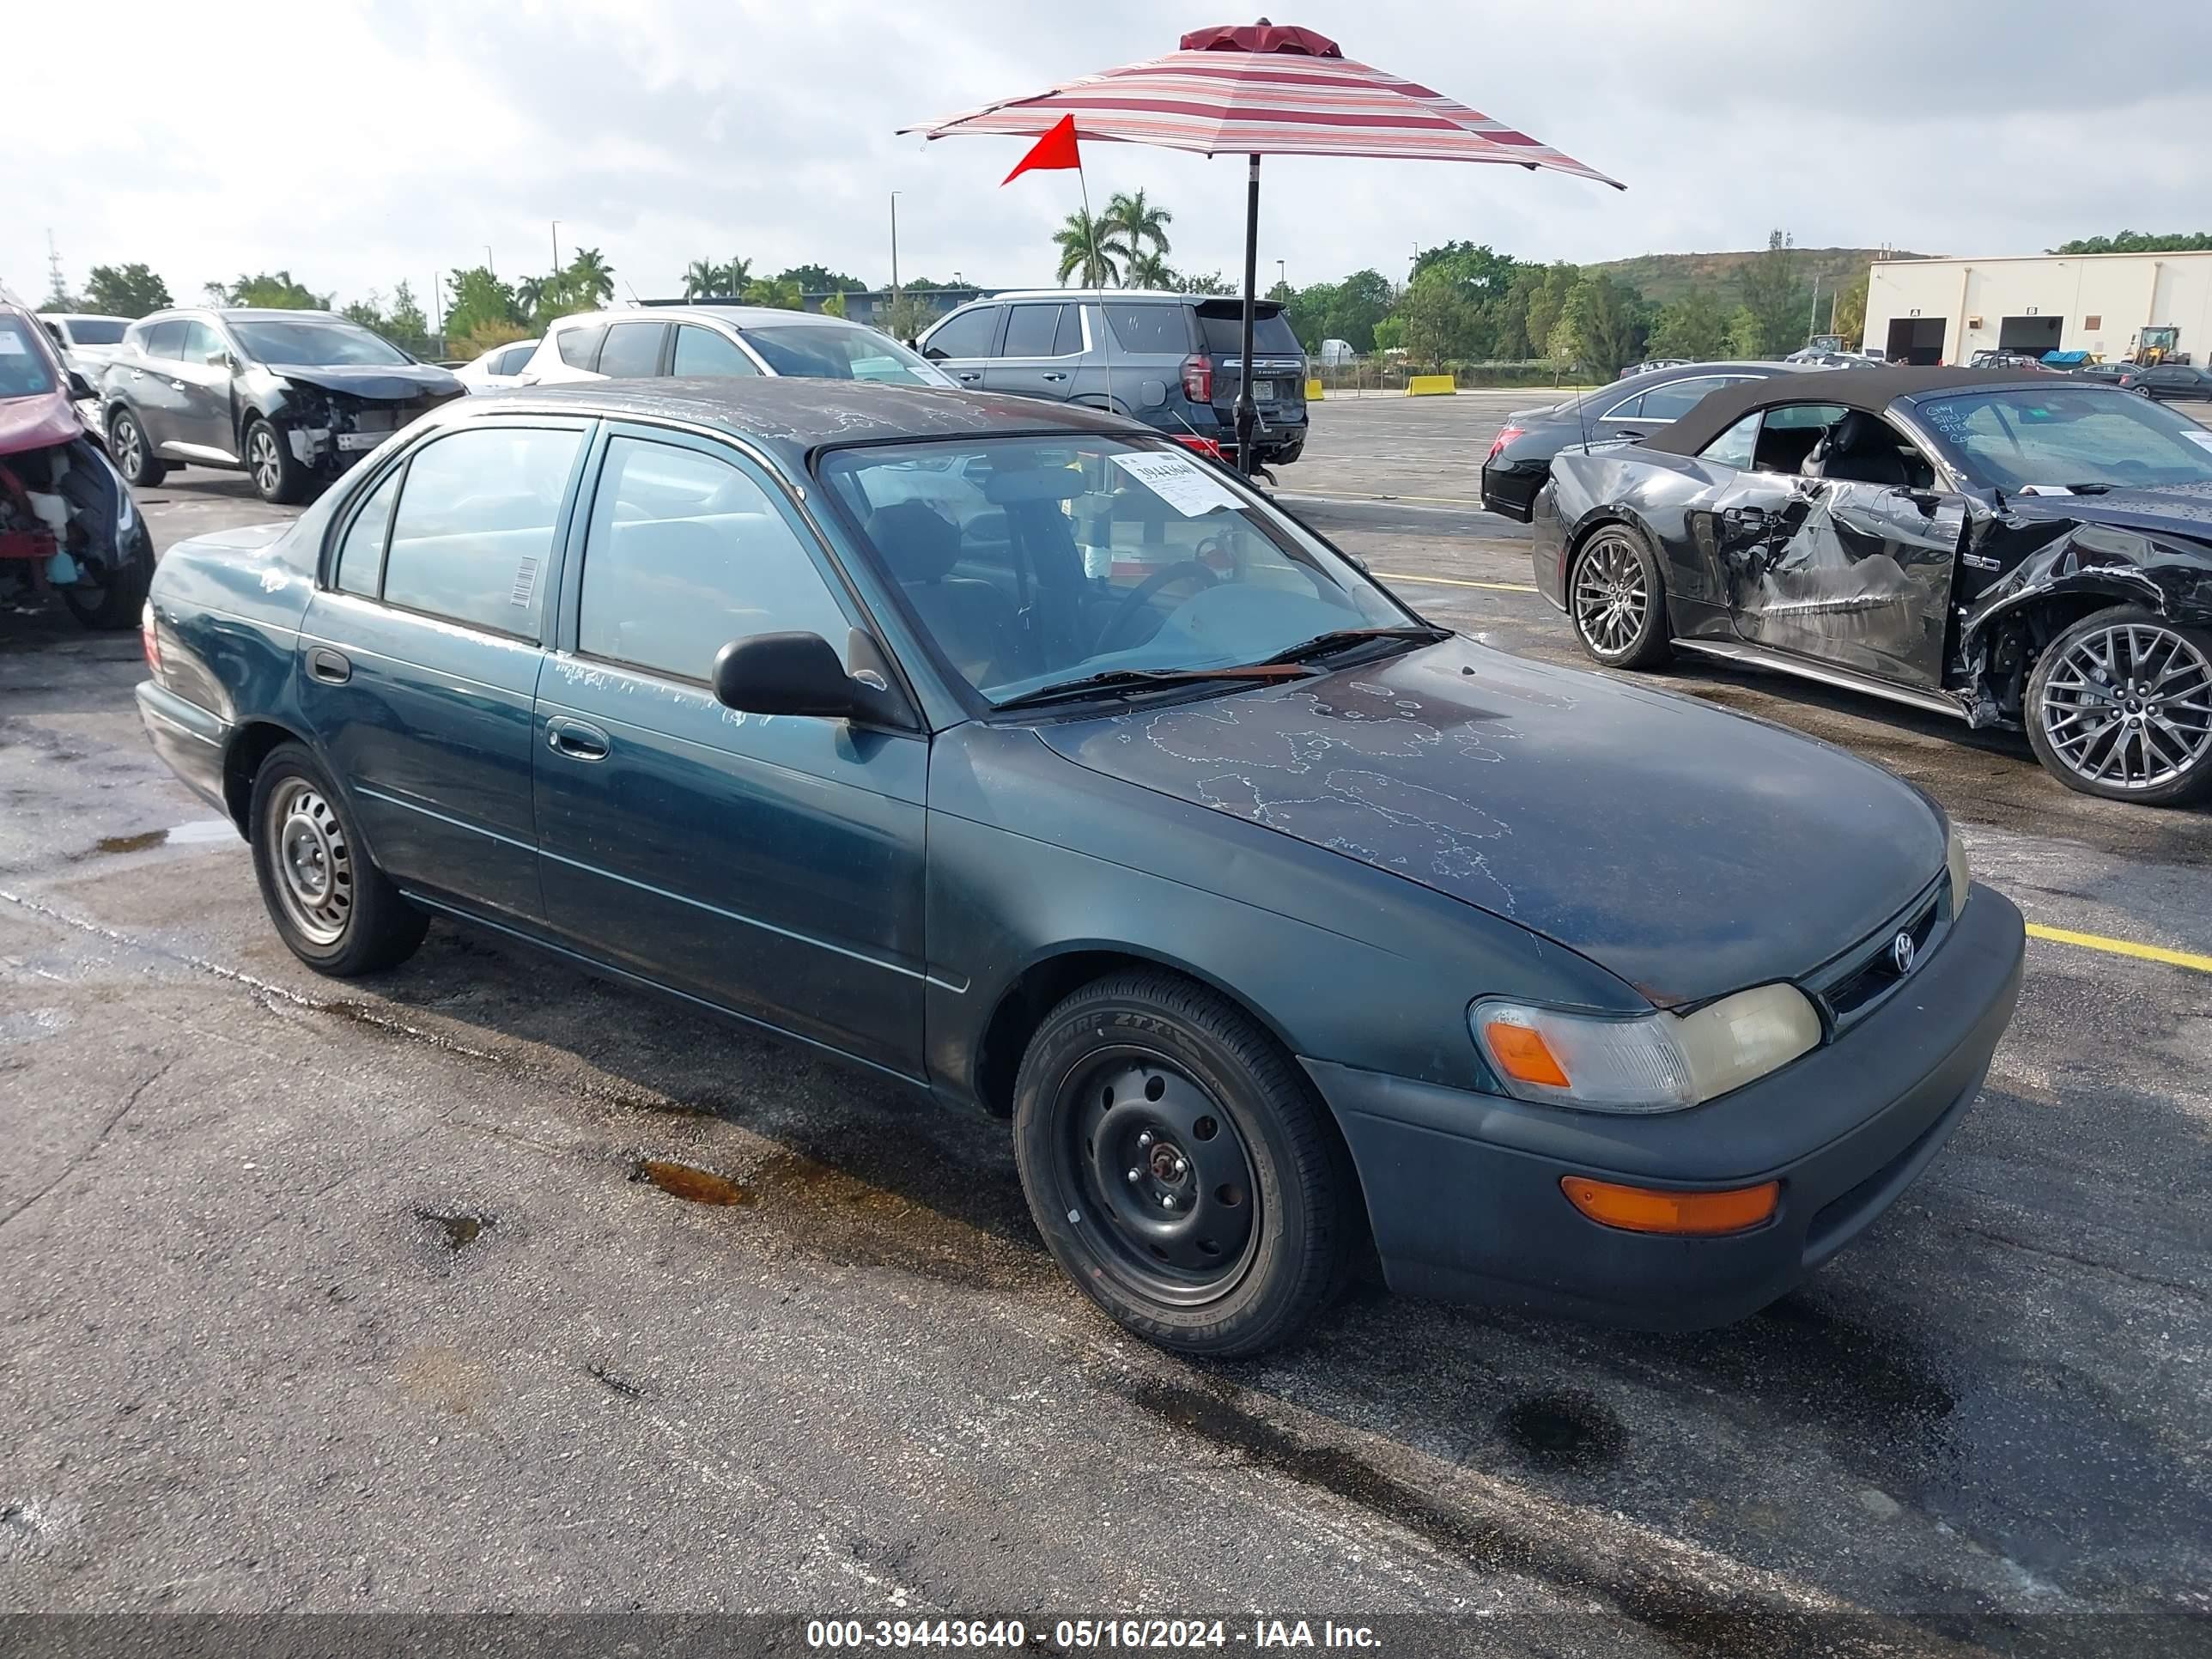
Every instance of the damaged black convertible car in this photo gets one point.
(290, 398)
(2000, 546)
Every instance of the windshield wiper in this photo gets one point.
(1338, 638)
(1125, 679)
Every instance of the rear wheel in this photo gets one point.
(337, 911)
(1618, 600)
(2120, 706)
(132, 455)
(279, 477)
(109, 592)
(1181, 1170)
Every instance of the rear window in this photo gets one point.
(1156, 328)
(1224, 330)
(97, 331)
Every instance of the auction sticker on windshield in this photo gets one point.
(1175, 479)
(2202, 440)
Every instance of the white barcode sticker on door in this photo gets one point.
(525, 583)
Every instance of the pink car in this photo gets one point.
(68, 524)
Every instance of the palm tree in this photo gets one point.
(736, 276)
(704, 278)
(593, 275)
(1088, 247)
(1148, 270)
(1137, 222)
(528, 292)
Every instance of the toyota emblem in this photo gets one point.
(1901, 953)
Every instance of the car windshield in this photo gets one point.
(823, 352)
(1036, 562)
(24, 371)
(315, 345)
(2070, 435)
(97, 331)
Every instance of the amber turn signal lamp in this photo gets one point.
(1523, 1054)
(1644, 1209)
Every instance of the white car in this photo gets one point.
(500, 367)
(89, 342)
(721, 341)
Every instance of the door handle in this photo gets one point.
(576, 739)
(970, 375)
(1745, 518)
(329, 666)
(1056, 375)
(176, 385)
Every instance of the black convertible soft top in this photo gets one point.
(1872, 389)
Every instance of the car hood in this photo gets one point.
(1691, 851)
(393, 382)
(37, 421)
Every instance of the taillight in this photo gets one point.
(149, 641)
(1205, 447)
(1198, 378)
(1506, 435)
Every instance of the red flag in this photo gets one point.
(1054, 152)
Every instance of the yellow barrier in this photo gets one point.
(1430, 386)
(1313, 392)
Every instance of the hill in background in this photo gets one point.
(1660, 277)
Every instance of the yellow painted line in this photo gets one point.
(1453, 581)
(2122, 947)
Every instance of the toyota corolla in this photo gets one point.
(1006, 749)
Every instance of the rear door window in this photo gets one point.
(167, 339)
(632, 350)
(473, 529)
(1735, 446)
(970, 334)
(1150, 329)
(579, 347)
(360, 555)
(686, 552)
(702, 352)
(202, 344)
(1676, 398)
(1032, 329)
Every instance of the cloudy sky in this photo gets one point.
(361, 144)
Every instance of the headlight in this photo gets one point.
(1955, 860)
(1657, 1062)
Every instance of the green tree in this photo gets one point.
(592, 274)
(406, 318)
(737, 276)
(1547, 298)
(1746, 334)
(1563, 346)
(1390, 334)
(1211, 281)
(820, 279)
(1308, 309)
(2136, 241)
(275, 289)
(1148, 270)
(129, 290)
(1438, 320)
(780, 294)
(477, 298)
(1090, 251)
(1773, 295)
(906, 317)
(368, 312)
(1602, 317)
(1695, 326)
(1137, 224)
(835, 304)
(1850, 308)
(702, 279)
(1357, 303)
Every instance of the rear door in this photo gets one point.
(203, 372)
(1645, 411)
(964, 342)
(419, 657)
(632, 351)
(771, 867)
(153, 387)
(1038, 355)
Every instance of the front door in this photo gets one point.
(771, 866)
(419, 658)
(1043, 344)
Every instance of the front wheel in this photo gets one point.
(132, 455)
(2120, 706)
(111, 590)
(1618, 599)
(336, 911)
(279, 477)
(1181, 1170)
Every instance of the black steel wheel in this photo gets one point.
(1618, 599)
(1181, 1168)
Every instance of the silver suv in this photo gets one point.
(1169, 360)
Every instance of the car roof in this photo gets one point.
(244, 314)
(793, 415)
(1869, 390)
(82, 317)
(736, 316)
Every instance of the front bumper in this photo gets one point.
(1463, 1190)
(188, 738)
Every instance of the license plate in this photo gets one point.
(1263, 392)
(352, 440)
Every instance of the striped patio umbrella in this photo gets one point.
(1257, 90)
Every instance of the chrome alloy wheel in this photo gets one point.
(2129, 707)
(1612, 598)
(131, 447)
(313, 865)
(262, 458)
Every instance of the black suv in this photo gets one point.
(1169, 360)
(290, 398)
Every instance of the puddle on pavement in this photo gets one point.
(688, 1182)
(460, 1231)
(200, 832)
(1564, 1431)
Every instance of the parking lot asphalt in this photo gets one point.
(486, 1283)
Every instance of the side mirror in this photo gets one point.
(79, 387)
(800, 674)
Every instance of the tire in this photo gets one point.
(2120, 707)
(353, 920)
(132, 455)
(115, 602)
(1616, 600)
(279, 477)
(2144, 391)
(1146, 1075)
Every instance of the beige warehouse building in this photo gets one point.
(1943, 311)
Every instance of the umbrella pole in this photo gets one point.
(1248, 416)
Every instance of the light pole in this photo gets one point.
(489, 265)
(895, 281)
(1282, 276)
(557, 247)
